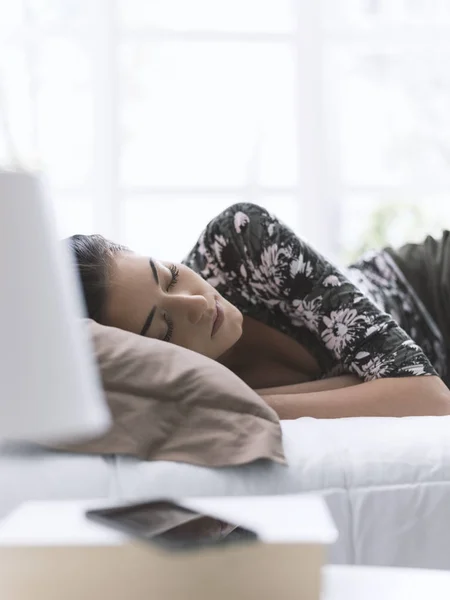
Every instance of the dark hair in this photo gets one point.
(93, 255)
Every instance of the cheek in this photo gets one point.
(231, 332)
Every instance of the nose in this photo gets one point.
(192, 305)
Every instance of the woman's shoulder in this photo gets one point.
(238, 219)
(236, 234)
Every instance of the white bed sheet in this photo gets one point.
(386, 481)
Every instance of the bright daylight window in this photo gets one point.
(151, 116)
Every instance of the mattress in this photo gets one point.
(386, 482)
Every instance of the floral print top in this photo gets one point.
(261, 266)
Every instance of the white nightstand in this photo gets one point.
(50, 551)
(62, 523)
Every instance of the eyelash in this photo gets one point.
(169, 333)
(175, 273)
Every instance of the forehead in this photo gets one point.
(130, 269)
(132, 291)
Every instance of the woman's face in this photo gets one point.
(170, 302)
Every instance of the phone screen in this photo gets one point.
(171, 526)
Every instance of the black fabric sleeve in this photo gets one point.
(248, 249)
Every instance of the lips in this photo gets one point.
(218, 319)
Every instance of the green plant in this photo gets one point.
(394, 223)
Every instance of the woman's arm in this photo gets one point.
(391, 397)
(319, 385)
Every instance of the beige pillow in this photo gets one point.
(169, 403)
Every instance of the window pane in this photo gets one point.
(73, 214)
(168, 228)
(394, 117)
(48, 107)
(375, 13)
(208, 114)
(11, 15)
(392, 217)
(16, 105)
(64, 110)
(67, 14)
(222, 15)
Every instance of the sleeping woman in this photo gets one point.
(311, 339)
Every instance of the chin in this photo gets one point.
(226, 344)
(237, 317)
(233, 338)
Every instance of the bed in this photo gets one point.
(386, 481)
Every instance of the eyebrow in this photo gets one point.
(149, 319)
(154, 270)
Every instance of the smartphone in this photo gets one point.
(171, 526)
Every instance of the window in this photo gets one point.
(387, 64)
(150, 117)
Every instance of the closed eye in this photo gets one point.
(169, 333)
(175, 274)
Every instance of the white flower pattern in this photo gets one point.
(331, 280)
(373, 368)
(240, 220)
(300, 265)
(308, 312)
(341, 328)
(347, 324)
